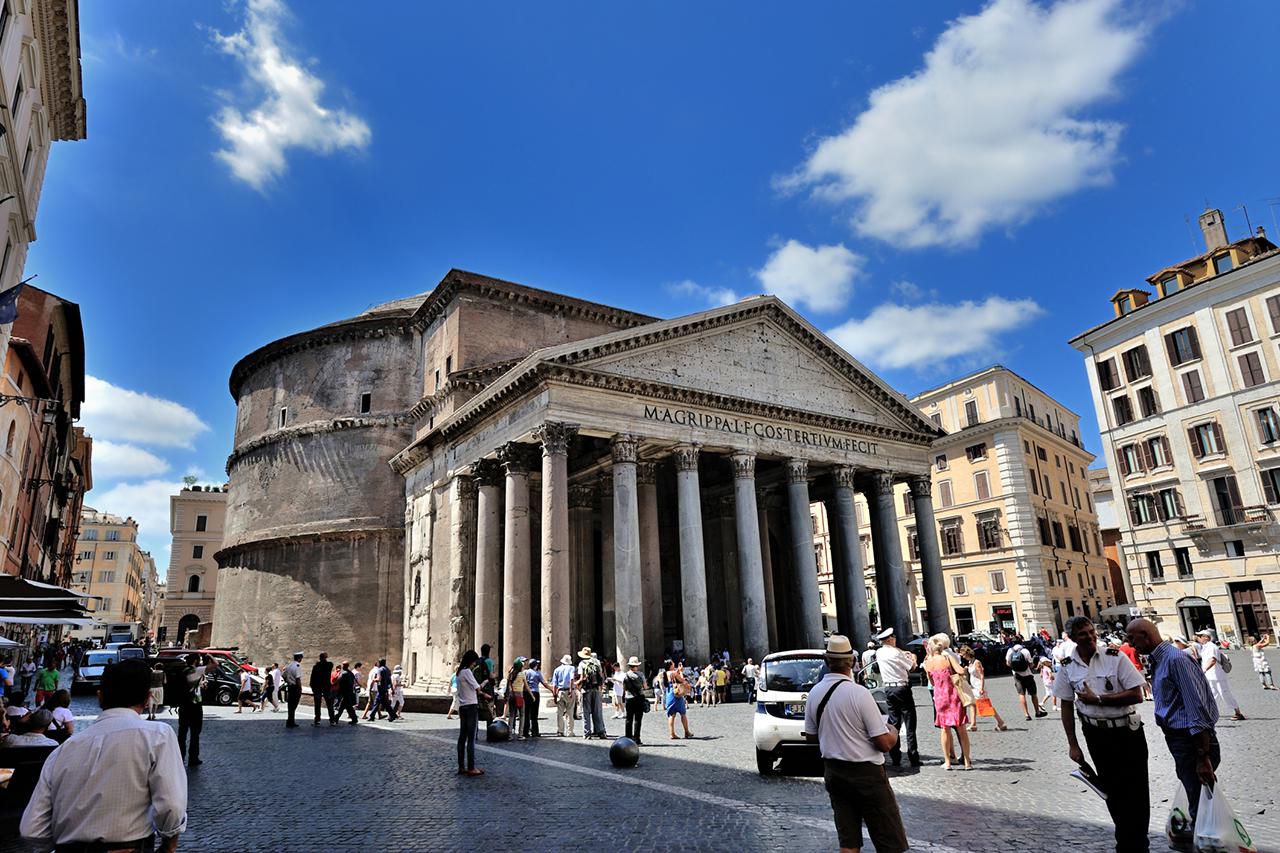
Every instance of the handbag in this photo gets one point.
(1217, 827)
(963, 689)
(984, 707)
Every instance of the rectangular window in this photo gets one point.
(1075, 494)
(1057, 460)
(976, 452)
(936, 417)
(103, 606)
(85, 555)
(1169, 504)
(1137, 365)
(437, 388)
(1235, 547)
(1059, 540)
(1017, 406)
(1107, 376)
(908, 508)
(17, 98)
(1141, 509)
(959, 585)
(113, 535)
(1123, 410)
(1035, 484)
(1073, 534)
(1041, 455)
(952, 539)
(26, 160)
(1206, 440)
(1045, 538)
(1268, 425)
(1251, 370)
(366, 403)
(1148, 402)
(940, 462)
(1063, 487)
(1273, 308)
(197, 552)
(1048, 487)
(1157, 452)
(448, 365)
(1182, 556)
(284, 416)
(997, 582)
(106, 577)
(981, 486)
(1154, 567)
(1222, 263)
(971, 413)
(1238, 327)
(1271, 485)
(1227, 504)
(202, 523)
(944, 494)
(1191, 384)
(91, 535)
(1131, 461)
(989, 533)
(913, 544)
(108, 555)
(4, 19)
(1183, 346)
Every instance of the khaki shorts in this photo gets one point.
(860, 793)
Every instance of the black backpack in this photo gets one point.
(1018, 663)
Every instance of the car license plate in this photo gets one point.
(795, 709)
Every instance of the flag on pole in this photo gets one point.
(9, 304)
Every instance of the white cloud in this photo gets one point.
(146, 502)
(713, 296)
(111, 460)
(117, 414)
(989, 132)
(289, 115)
(820, 277)
(912, 292)
(937, 332)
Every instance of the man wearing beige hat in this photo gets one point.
(563, 694)
(852, 736)
(633, 693)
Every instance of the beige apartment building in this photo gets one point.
(152, 598)
(1185, 379)
(109, 564)
(1021, 546)
(197, 517)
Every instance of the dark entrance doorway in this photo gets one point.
(1195, 614)
(964, 620)
(1252, 615)
(187, 624)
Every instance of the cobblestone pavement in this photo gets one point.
(265, 787)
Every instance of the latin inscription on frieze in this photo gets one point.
(728, 425)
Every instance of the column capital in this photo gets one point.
(555, 437)
(797, 470)
(626, 448)
(921, 486)
(516, 458)
(646, 473)
(744, 466)
(881, 481)
(488, 472)
(844, 477)
(582, 496)
(686, 456)
(465, 485)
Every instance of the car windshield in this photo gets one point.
(793, 676)
(100, 658)
(127, 653)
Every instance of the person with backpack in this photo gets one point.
(1018, 659)
(590, 680)
(842, 717)
(1216, 665)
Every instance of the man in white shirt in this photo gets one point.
(895, 667)
(749, 674)
(293, 688)
(115, 784)
(852, 737)
(1211, 663)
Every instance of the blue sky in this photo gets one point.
(939, 185)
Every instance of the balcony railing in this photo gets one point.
(1229, 516)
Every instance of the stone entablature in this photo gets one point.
(57, 27)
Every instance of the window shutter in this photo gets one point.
(1269, 488)
(1133, 512)
(1168, 453)
(1178, 504)
(1124, 463)
(1217, 437)
(1197, 449)
(1195, 341)
(1171, 347)
(1234, 490)
(1148, 461)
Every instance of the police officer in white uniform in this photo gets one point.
(1103, 687)
(895, 666)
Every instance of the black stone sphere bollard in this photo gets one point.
(624, 753)
(497, 731)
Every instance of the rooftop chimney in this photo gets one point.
(1215, 230)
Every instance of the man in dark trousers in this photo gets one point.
(1103, 689)
(190, 708)
(293, 688)
(321, 686)
(384, 690)
(895, 676)
(347, 692)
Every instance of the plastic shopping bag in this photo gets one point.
(1177, 827)
(1217, 828)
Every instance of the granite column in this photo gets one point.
(517, 625)
(804, 564)
(755, 624)
(852, 616)
(555, 439)
(693, 568)
(935, 591)
(628, 607)
(488, 553)
(650, 560)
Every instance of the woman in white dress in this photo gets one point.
(1211, 663)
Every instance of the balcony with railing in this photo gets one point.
(1228, 516)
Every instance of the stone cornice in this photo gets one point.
(356, 328)
(470, 379)
(57, 28)
(230, 552)
(313, 428)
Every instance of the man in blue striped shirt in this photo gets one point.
(1185, 709)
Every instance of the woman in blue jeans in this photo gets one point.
(468, 714)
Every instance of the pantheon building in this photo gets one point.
(492, 463)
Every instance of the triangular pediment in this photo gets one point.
(763, 352)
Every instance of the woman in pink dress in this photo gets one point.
(949, 714)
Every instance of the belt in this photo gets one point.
(1107, 722)
(897, 684)
(144, 845)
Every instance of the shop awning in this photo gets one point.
(28, 602)
(20, 589)
(6, 643)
